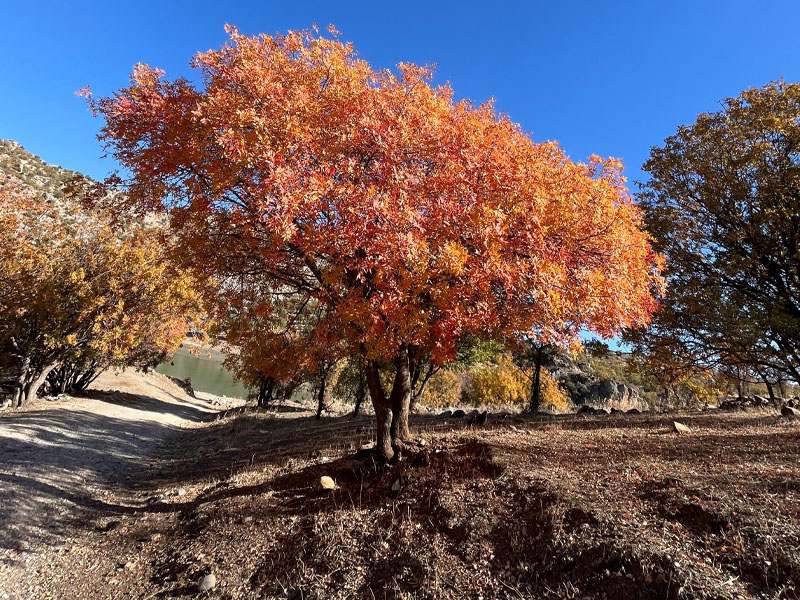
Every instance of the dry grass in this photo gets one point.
(607, 507)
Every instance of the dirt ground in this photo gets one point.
(571, 507)
(61, 458)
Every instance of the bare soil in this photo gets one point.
(61, 459)
(557, 507)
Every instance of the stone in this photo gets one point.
(788, 411)
(446, 414)
(181, 492)
(327, 483)
(729, 405)
(458, 414)
(680, 427)
(247, 519)
(208, 582)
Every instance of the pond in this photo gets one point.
(205, 370)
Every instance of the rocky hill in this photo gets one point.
(599, 383)
(20, 167)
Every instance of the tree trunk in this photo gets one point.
(266, 385)
(18, 395)
(770, 391)
(383, 412)
(360, 389)
(33, 387)
(321, 398)
(536, 384)
(401, 397)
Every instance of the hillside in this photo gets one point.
(19, 166)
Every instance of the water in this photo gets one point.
(206, 372)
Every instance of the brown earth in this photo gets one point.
(601, 507)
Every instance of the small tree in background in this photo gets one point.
(501, 383)
(443, 389)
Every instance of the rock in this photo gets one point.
(185, 385)
(248, 519)
(607, 394)
(680, 427)
(788, 411)
(326, 483)
(207, 582)
(458, 414)
(729, 405)
(446, 414)
(181, 492)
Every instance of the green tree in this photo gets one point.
(723, 204)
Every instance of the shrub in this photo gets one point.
(501, 383)
(443, 389)
(553, 397)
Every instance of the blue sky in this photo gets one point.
(607, 78)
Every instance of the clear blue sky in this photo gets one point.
(612, 78)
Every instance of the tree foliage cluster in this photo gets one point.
(723, 204)
(81, 294)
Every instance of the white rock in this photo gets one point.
(680, 427)
(327, 483)
(207, 582)
(181, 492)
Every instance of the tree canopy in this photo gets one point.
(723, 202)
(300, 174)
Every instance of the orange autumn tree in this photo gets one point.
(412, 218)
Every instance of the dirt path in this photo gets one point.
(61, 461)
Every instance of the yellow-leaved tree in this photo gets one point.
(81, 294)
